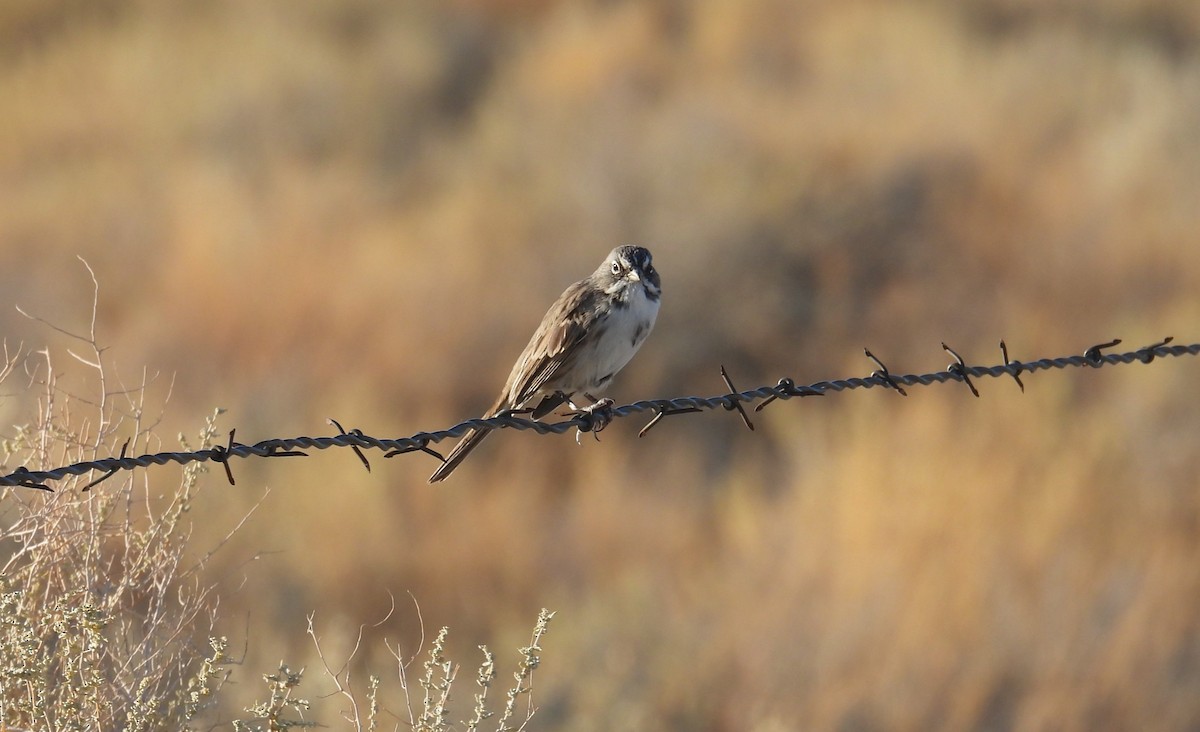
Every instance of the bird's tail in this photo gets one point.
(458, 454)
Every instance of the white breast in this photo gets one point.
(624, 333)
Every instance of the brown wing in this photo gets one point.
(552, 348)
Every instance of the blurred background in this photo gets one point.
(361, 209)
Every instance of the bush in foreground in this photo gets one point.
(107, 620)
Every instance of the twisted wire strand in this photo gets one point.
(590, 421)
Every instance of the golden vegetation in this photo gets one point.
(360, 209)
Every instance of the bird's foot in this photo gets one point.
(596, 417)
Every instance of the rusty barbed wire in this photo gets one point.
(596, 418)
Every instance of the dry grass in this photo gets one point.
(359, 209)
(104, 617)
(107, 605)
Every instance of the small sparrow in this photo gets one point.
(586, 337)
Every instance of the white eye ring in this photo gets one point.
(616, 268)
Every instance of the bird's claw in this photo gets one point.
(596, 417)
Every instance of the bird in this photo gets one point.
(589, 334)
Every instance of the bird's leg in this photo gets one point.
(549, 403)
(578, 408)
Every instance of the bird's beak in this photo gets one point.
(633, 275)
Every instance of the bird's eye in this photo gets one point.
(616, 268)
(649, 269)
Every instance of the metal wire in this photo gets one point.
(596, 419)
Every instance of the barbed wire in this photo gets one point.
(596, 418)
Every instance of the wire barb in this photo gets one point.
(666, 412)
(221, 455)
(420, 447)
(883, 374)
(733, 401)
(960, 369)
(22, 477)
(1093, 354)
(785, 386)
(1015, 366)
(357, 433)
(111, 472)
(1148, 351)
(786, 389)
